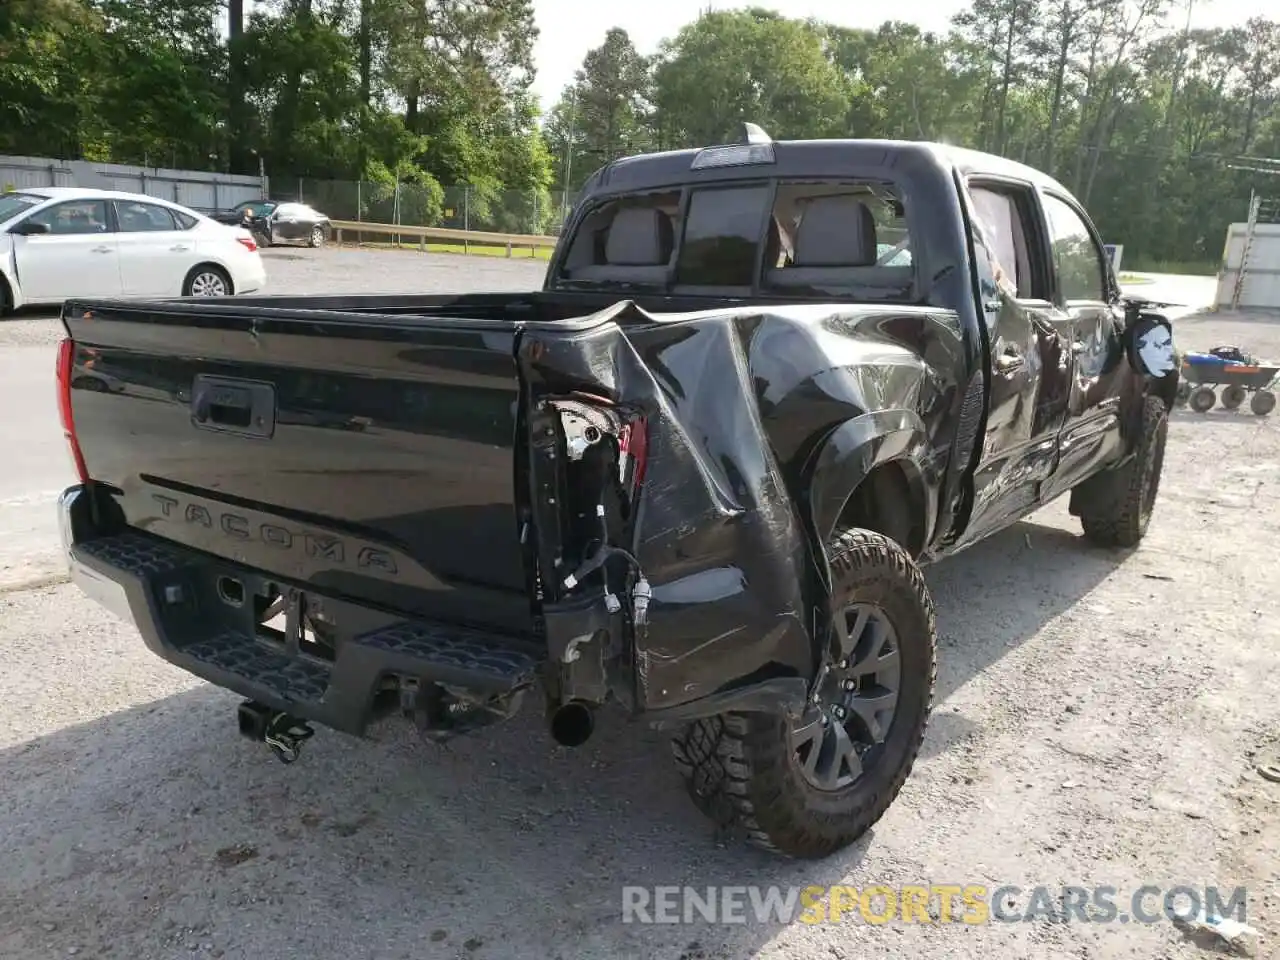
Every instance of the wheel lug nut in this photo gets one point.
(851, 685)
(838, 712)
(843, 664)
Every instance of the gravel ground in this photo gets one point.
(1099, 720)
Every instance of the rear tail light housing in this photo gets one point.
(248, 243)
(66, 365)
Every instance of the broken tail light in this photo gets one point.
(633, 452)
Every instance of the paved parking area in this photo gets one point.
(1099, 720)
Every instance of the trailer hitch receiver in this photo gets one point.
(279, 731)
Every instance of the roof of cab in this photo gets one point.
(813, 158)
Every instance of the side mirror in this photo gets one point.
(1150, 346)
(29, 228)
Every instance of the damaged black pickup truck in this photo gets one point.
(695, 475)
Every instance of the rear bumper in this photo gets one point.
(251, 276)
(175, 598)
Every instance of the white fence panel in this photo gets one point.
(197, 189)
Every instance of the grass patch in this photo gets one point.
(1133, 278)
(474, 249)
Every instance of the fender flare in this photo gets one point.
(849, 454)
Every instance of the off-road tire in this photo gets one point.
(1233, 396)
(741, 769)
(1116, 506)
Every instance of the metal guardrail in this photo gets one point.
(425, 235)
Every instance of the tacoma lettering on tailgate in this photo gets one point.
(318, 546)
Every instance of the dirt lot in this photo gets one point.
(1099, 720)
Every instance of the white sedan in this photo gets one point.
(59, 243)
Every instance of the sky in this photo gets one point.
(569, 28)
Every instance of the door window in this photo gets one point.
(1076, 257)
(74, 217)
(1003, 213)
(144, 218)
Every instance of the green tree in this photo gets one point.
(605, 112)
(747, 65)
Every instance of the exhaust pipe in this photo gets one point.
(572, 723)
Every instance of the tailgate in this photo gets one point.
(363, 456)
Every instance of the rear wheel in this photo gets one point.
(207, 280)
(1202, 399)
(1116, 506)
(1262, 402)
(809, 786)
(317, 236)
(1233, 396)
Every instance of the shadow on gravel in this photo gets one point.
(993, 596)
(158, 832)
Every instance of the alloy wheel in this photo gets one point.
(852, 709)
(208, 284)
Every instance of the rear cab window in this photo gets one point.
(785, 238)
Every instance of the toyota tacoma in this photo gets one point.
(694, 476)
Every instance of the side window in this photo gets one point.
(144, 218)
(1003, 220)
(1076, 257)
(722, 237)
(833, 237)
(625, 241)
(74, 217)
(185, 220)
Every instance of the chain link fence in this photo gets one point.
(538, 212)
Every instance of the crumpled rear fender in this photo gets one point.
(716, 532)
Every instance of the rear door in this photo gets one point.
(155, 252)
(1030, 358)
(78, 257)
(1085, 293)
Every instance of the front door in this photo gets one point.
(1091, 434)
(1028, 339)
(78, 257)
(288, 225)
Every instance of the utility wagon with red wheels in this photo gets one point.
(1239, 375)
